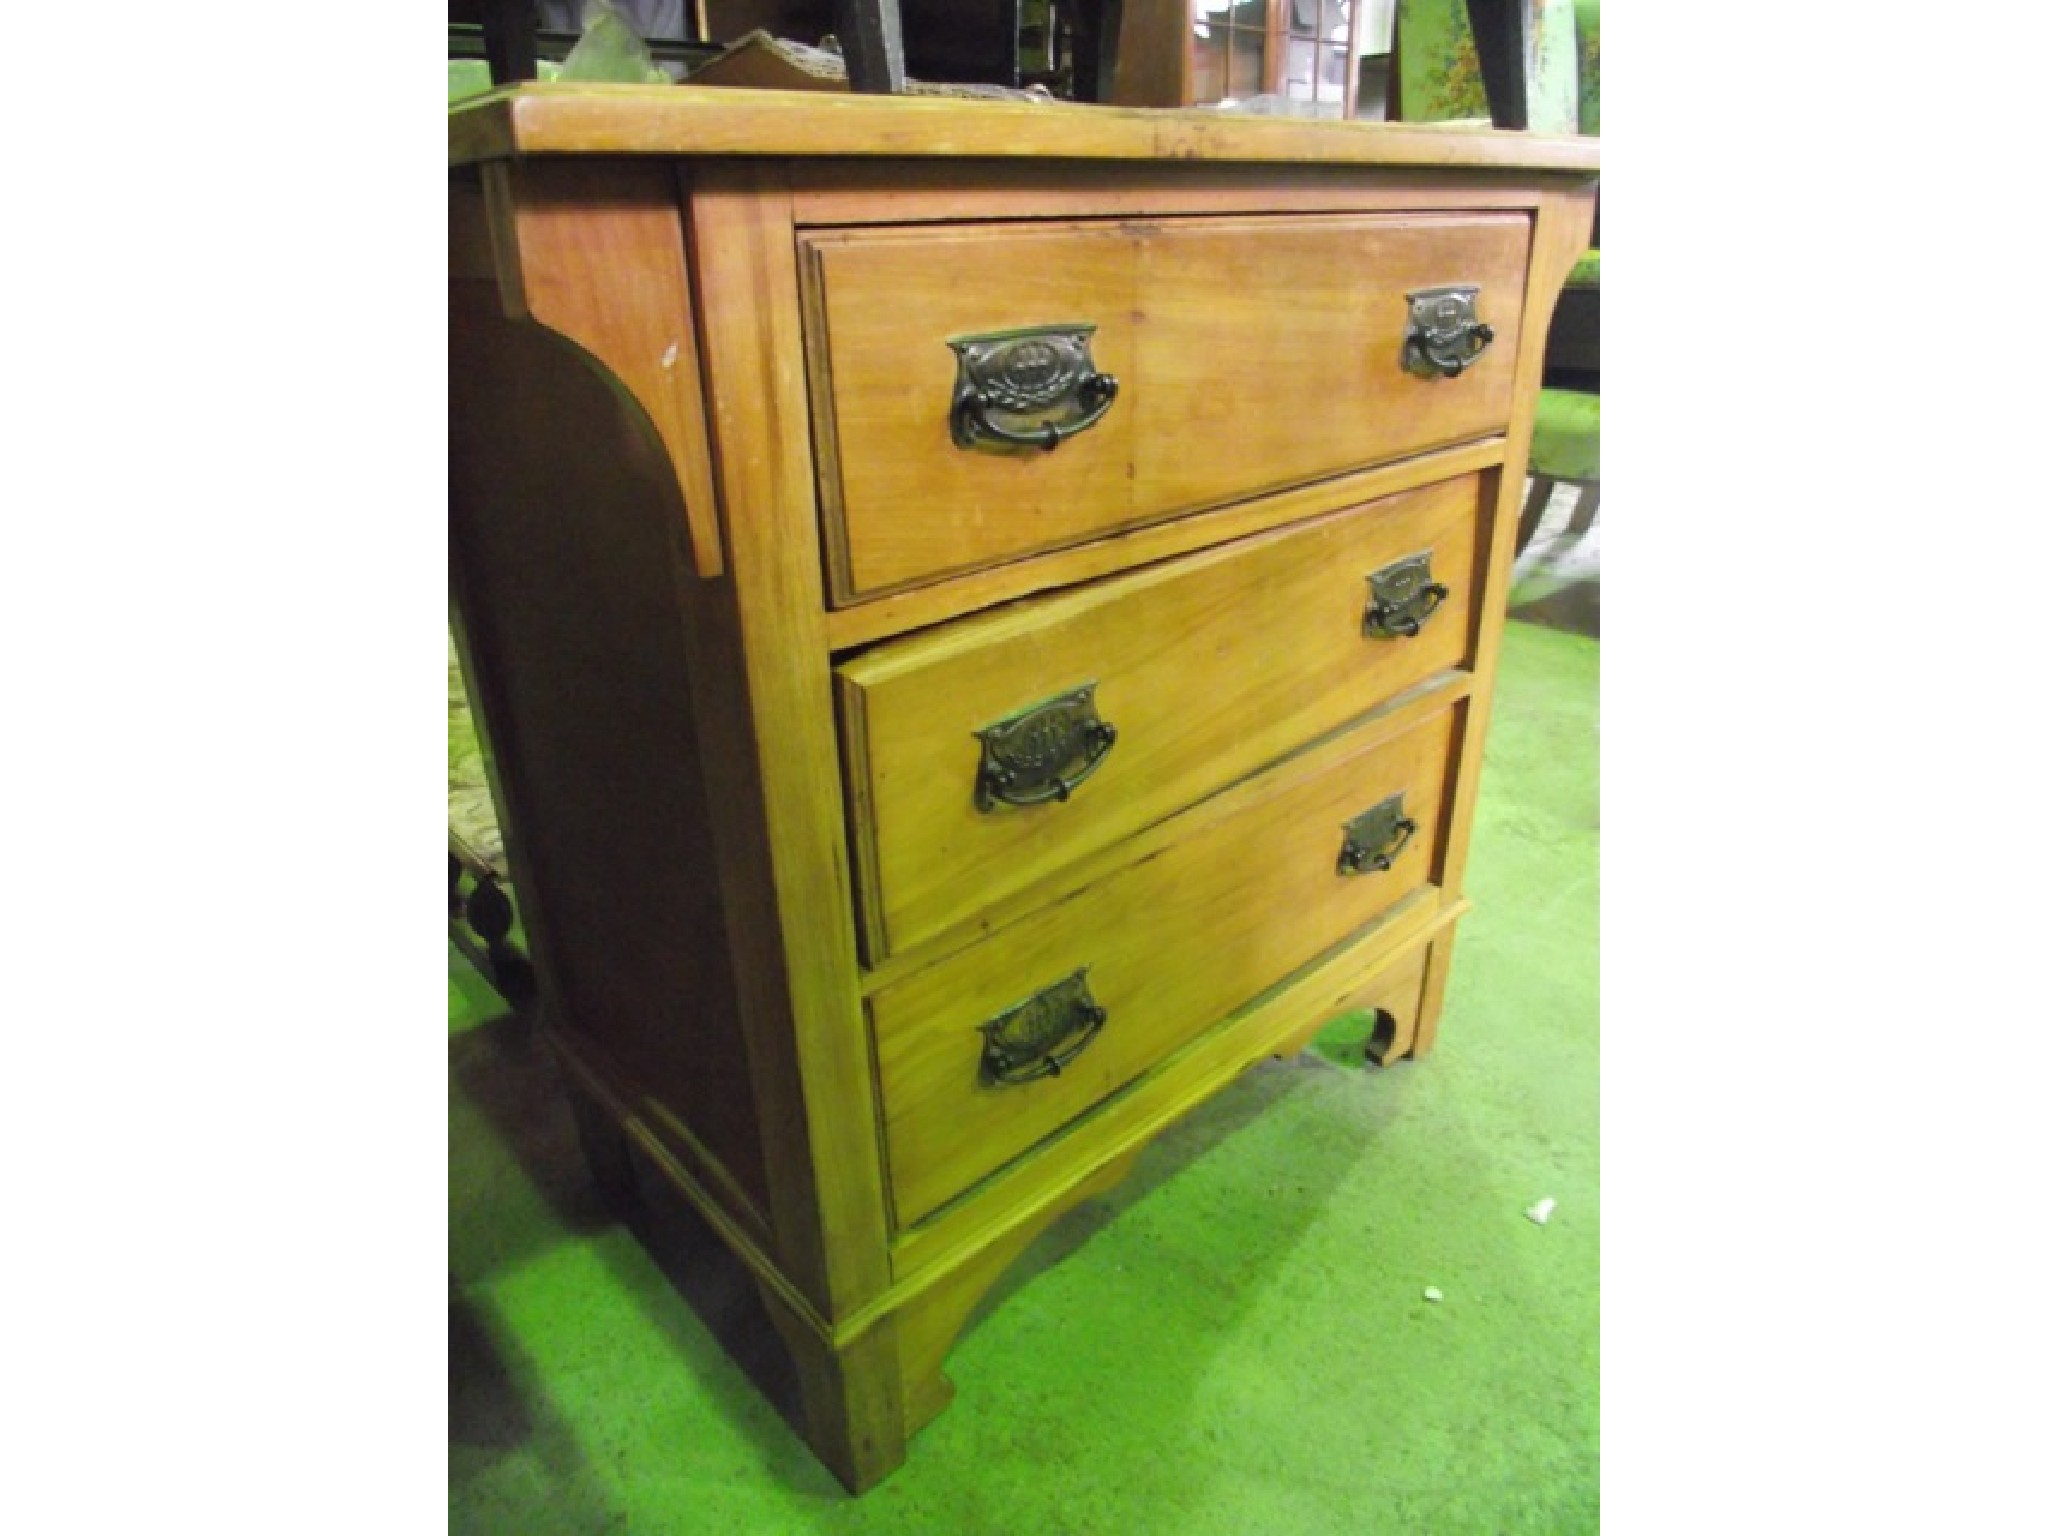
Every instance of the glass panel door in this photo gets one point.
(1229, 49)
(1318, 54)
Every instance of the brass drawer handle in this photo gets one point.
(1010, 379)
(1404, 595)
(1445, 334)
(1041, 1035)
(1042, 752)
(1375, 838)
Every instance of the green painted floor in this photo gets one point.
(1235, 1341)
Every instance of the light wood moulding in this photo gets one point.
(552, 119)
(921, 607)
(838, 192)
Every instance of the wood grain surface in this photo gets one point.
(1252, 355)
(723, 575)
(1208, 667)
(586, 119)
(1171, 943)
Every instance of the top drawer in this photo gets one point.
(1249, 354)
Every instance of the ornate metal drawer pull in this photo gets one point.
(1042, 753)
(1010, 380)
(1445, 334)
(1403, 597)
(1039, 1036)
(1373, 840)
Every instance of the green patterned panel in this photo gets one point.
(1589, 66)
(1439, 63)
(1441, 78)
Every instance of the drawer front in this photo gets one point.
(1249, 355)
(1164, 947)
(1206, 668)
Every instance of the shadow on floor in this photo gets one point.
(525, 1188)
(504, 1076)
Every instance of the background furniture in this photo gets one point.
(1525, 63)
(483, 918)
(528, 39)
(1325, 58)
(1513, 63)
(1056, 44)
(1566, 448)
(986, 617)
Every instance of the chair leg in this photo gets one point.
(871, 39)
(1588, 507)
(1540, 487)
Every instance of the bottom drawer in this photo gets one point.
(985, 1053)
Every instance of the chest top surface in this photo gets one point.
(542, 119)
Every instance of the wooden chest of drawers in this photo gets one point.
(983, 618)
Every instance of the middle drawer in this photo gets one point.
(986, 755)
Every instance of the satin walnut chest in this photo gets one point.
(984, 618)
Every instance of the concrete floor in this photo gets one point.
(1235, 1341)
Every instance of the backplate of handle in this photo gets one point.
(1374, 839)
(1030, 388)
(1403, 596)
(1043, 752)
(1040, 1036)
(1445, 334)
